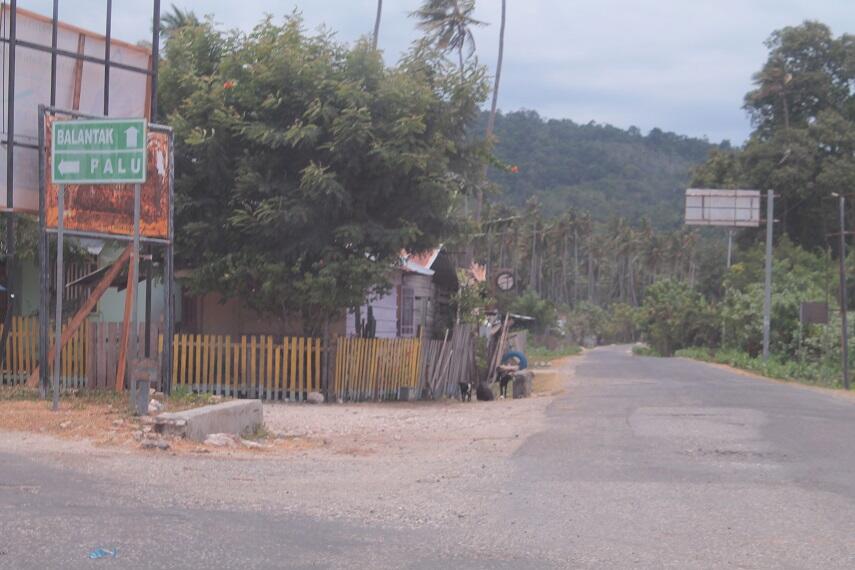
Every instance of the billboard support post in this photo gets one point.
(134, 336)
(57, 358)
(844, 325)
(767, 296)
(729, 247)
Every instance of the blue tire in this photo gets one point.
(515, 354)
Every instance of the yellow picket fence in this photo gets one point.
(376, 369)
(22, 351)
(251, 366)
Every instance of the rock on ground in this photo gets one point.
(315, 398)
(222, 440)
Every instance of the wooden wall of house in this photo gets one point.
(385, 309)
(211, 314)
(425, 301)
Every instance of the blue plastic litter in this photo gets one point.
(103, 553)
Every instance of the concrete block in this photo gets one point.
(523, 383)
(238, 417)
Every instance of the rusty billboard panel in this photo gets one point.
(813, 313)
(109, 209)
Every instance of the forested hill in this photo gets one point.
(599, 168)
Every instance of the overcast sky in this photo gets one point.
(681, 65)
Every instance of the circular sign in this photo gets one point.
(505, 281)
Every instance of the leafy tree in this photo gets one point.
(305, 167)
(803, 143)
(799, 276)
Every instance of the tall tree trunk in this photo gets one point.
(491, 121)
(532, 276)
(575, 267)
(377, 24)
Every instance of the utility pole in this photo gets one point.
(767, 300)
(844, 327)
(729, 246)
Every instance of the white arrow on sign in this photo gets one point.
(69, 167)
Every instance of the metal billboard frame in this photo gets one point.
(44, 262)
(151, 72)
(713, 201)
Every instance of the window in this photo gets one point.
(408, 305)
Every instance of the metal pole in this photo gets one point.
(168, 281)
(10, 120)
(767, 301)
(44, 268)
(11, 286)
(53, 44)
(729, 246)
(844, 327)
(57, 340)
(135, 261)
(155, 57)
(108, 41)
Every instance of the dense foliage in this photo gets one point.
(600, 169)
(304, 166)
(803, 143)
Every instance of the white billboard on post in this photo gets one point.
(79, 87)
(727, 208)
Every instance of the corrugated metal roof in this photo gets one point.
(421, 263)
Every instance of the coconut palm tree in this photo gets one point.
(491, 122)
(377, 24)
(177, 19)
(448, 25)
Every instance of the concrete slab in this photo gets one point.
(238, 417)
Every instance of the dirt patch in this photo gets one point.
(409, 464)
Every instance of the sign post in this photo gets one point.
(97, 151)
(733, 209)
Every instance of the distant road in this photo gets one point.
(644, 463)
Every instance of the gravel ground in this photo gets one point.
(402, 465)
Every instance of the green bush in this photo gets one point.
(585, 320)
(542, 311)
(675, 316)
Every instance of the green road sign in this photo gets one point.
(99, 151)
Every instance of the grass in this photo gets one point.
(644, 350)
(182, 398)
(778, 367)
(541, 353)
(77, 398)
(261, 432)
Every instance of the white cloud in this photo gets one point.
(676, 64)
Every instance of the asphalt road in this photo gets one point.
(644, 463)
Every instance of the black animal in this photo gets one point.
(505, 378)
(465, 391)
(484, 393)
